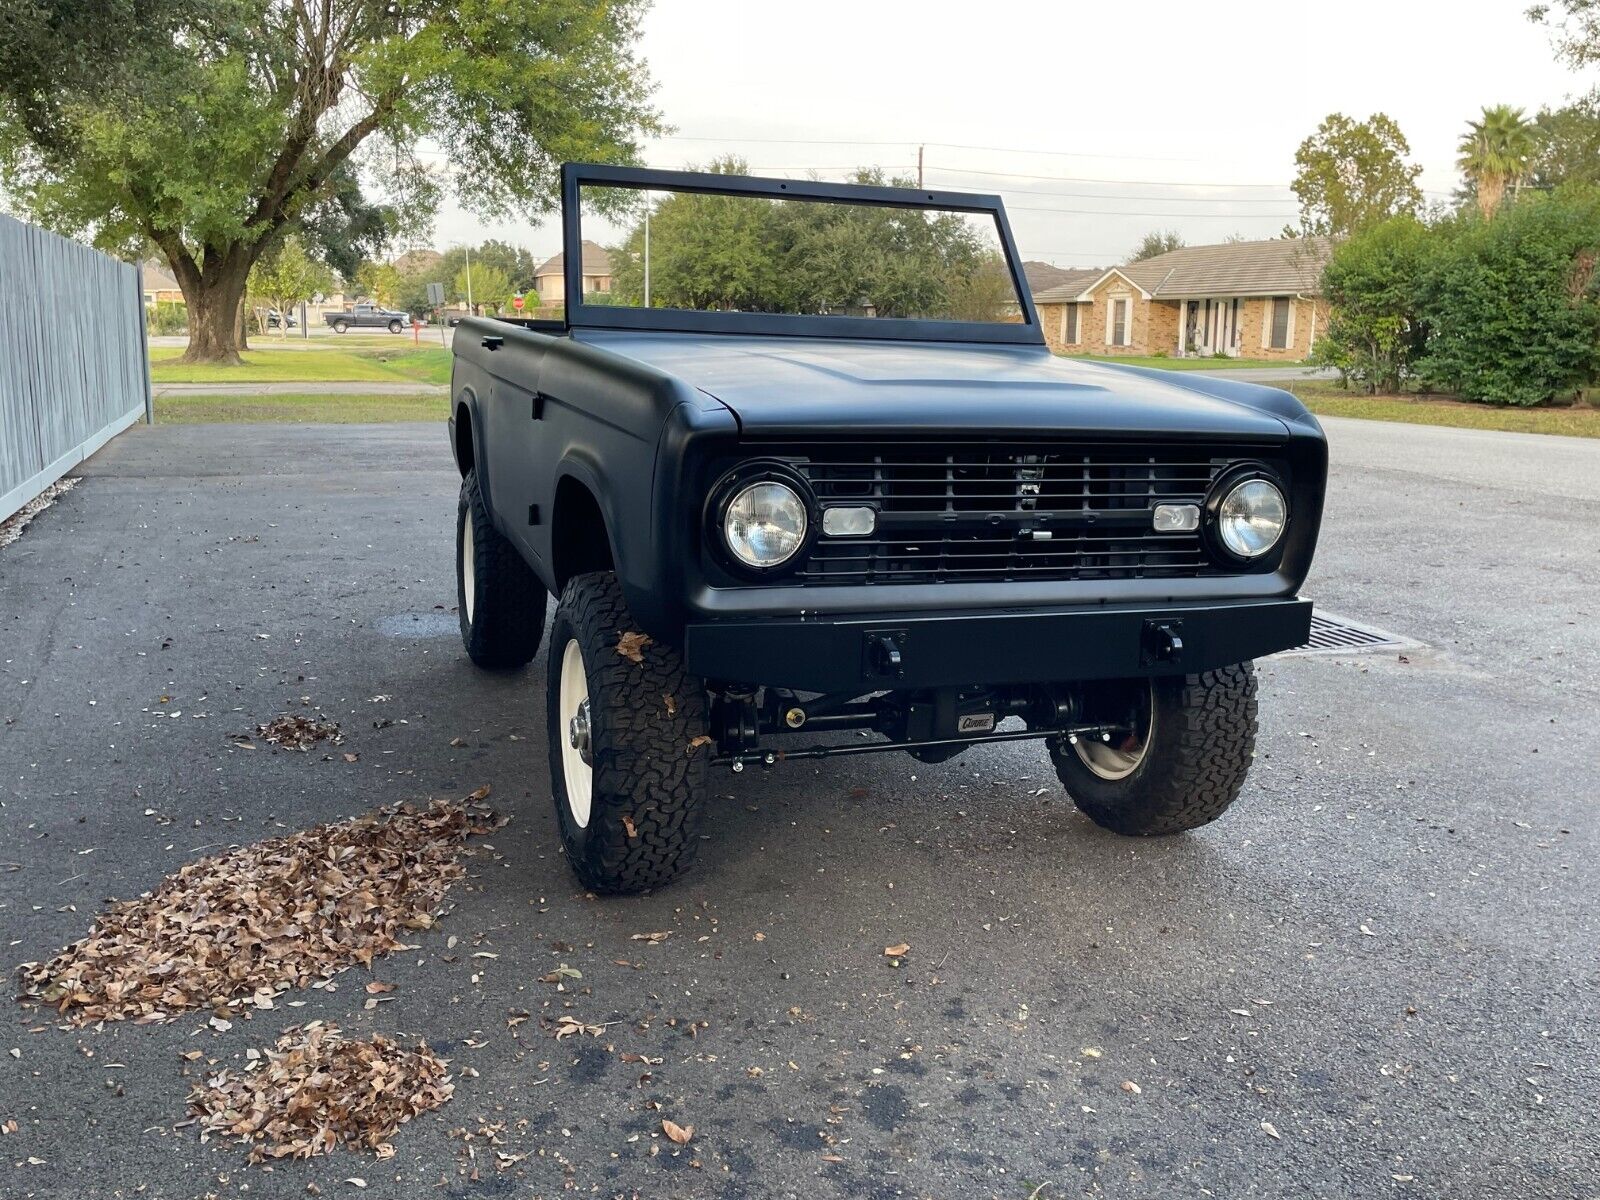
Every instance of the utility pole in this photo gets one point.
(647, 251)
(468, 249)
(919, 166)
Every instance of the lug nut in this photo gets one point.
(795, 718)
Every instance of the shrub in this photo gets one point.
(1376, 332)
(1513, 303)
(167, 318)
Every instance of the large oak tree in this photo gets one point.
(213, 128)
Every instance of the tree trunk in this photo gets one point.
(216, 324)
(1491, 190)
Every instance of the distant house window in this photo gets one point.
(1117, 331)
(1281, 308)
(1069, 325)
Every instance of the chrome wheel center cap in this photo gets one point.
(578, 732)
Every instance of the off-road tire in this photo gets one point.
(502, 625)
(395, 327)
(649, 783)
(340, 326)
(1199, 754)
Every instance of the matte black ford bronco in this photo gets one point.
(807, 482)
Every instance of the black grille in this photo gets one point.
(996, 513)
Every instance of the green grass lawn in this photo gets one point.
(309, 407)
(1185, 364)
(281, 364)
(1329, 399)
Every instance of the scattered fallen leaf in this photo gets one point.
(832, 1158)
(1367, 931)
(1131, 1087)
(655, 939)
(672, 704)
(1090, 1052)
(631, 646)
(695, 743)
(350, 758)
(1271, 1130)
(897, 951)
(458, 742)
(627, 823)
(570, 1026)
(678, 1133)
(377, 987)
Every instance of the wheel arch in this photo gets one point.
(463, 432)
(580, 528)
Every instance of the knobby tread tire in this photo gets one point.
(509, 609)
(1204, 740)
(644, 719)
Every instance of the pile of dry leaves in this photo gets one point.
(316, 1090)
(296, 732)
(229, 931)
(11, 528)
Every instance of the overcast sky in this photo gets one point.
(1096, 121)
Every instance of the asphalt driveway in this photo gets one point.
(1377, 976)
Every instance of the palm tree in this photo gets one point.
(1496, 152)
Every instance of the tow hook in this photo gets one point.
(1162, 643)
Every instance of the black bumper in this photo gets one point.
(842, 653)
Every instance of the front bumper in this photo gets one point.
(920, 650)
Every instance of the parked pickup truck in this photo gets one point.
(863, 509)
(367, 316)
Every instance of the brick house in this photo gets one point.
(1241, 299)
(550, 279)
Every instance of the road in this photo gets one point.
(1386, 952)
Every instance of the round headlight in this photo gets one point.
(765, 524)
(1251, 518)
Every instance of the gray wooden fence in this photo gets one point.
(74, 367)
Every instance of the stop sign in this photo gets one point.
(516, 303)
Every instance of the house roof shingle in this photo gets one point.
(1068, 287)
(157, 276)
(1279, 267)
(595, 261)
(1043, 276)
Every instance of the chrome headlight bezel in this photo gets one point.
(735, 484)
(1230, 483)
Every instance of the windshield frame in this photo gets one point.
(574, 176)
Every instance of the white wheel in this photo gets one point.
(577, 760)
(469, 568)
(1118, 759)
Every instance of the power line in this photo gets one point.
(1282, 187)
(1128, 212)
(678, 137)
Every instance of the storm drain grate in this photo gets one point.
(1333, 634)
